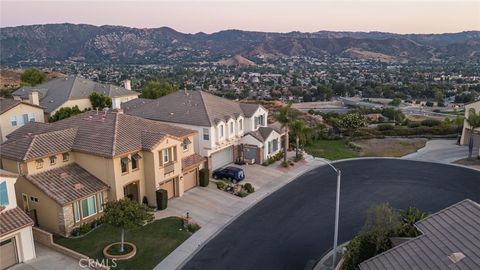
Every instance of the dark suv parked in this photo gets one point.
(234, 174)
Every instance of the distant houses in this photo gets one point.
(71, 91)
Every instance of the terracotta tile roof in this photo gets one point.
(191, 160)
(67, 184)
(104, 134)
(8, 174)
(7, 103)
(12, 220)
(196, 108)
(39, 145)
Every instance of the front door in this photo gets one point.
(26, 207)
(131, 191)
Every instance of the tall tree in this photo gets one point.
(473, 121)
(301, 132)
(126, 215)
(33, 76)
(156, 89)
(285, 116)
(100, 101)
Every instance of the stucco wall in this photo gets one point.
(5, 124)
(24, 243)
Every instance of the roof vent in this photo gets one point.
(171, 113)
(456, 257)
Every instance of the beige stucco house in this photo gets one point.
(70, 168)
(72, 91)
(466, 132)
(222, 125)
(16, 238)
(16, 113)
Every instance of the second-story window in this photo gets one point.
(166, 155)
(53, 160)
(135, 161)
(39, 163)
(240, 124)
(65, 157)
(220, 131)
(231, 128)
(31, 117)
(206, 134)
(24, 118)
(3, 193)
(124, 164)
(13, 121)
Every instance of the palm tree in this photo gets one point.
(473, 120)
(298, 129)
(285, 116)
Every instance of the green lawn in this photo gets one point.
(331, 149)
(154, 242)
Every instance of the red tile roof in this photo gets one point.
(67, 184)
(191, 160)
(13, 220)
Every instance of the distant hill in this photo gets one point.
(119, 44)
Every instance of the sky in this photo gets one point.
(192, 16)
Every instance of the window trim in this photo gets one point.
(169, 156)
(76, 210)
(31, 117)
(240, 125)
(54, 160)
(4, 183)
(39, 163)
(65, 155)
(206, 134)
(95, 206)
(100, 202)
(13, 119)
(127, 169)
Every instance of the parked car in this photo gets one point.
(232, 173)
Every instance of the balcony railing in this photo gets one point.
(169, 168)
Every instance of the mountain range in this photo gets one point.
(119, 44)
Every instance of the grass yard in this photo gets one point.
(331, 149)
(154, 242)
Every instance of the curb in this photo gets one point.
(199, 247)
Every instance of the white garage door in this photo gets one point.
(222, 158)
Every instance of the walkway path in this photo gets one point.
(214, 209)
(442, 151)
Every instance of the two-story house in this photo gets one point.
(72, 91)
(16, 113)
(16, 238)
(227, 130)
(70, 168)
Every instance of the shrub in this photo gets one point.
(75, 232)
(429, 104)
(193, 227)
(220, 184)
(249, 187)
(242, 194)
(204, 175)
(285, 164)
(85, 228)
(298, 158)
(430, 122)
(413, 124)
(383, 127)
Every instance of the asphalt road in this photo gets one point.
(295, 224)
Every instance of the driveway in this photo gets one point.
(214, 209)
(443, 151)
(294, 225)
(48, 259)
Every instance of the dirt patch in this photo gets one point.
(389, 147)
(419, 118)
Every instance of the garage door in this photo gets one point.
(222, 158)
(169, 186)
(190, 180)
(8, 253)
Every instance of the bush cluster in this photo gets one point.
(430, 123)
(249, 188)
(220, 184)
(193, 227)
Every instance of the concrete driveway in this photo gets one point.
(443, 151)
(214, 209)
(48, 259)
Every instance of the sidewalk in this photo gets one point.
(214, 209)
(442, 151)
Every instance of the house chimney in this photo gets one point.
(116, 105)
(33, 98)
(127, 84)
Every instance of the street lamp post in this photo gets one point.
(337, 208)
